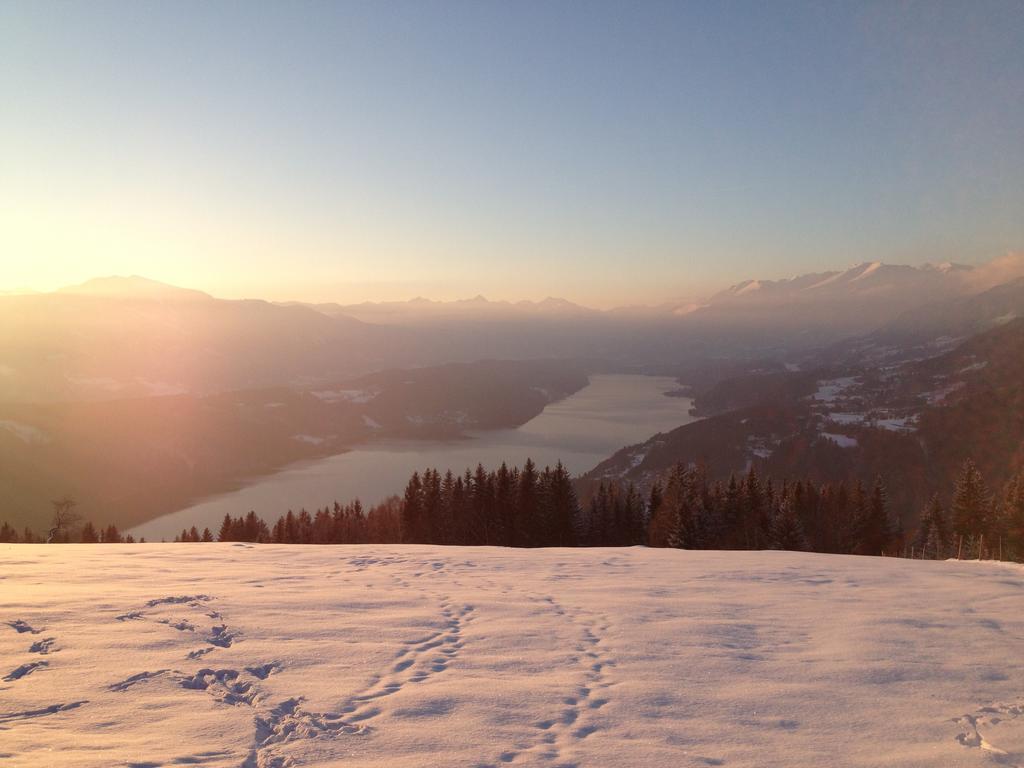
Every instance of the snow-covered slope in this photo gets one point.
(869, 281)
(239, 655)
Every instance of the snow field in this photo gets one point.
(274, 655)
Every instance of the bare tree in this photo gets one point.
(64, 517)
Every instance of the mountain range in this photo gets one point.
(169, 392)
(121, 337)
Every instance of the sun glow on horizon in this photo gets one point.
(616, 159)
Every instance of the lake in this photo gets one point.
(582, 430)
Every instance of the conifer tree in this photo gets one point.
(601, 516)
(412, 511)
(752, 511)
(526, 502)
(786, 530)
(323, 526)
(840, 525)
(661, 518)
(563, 507)
(971, 504)
(89, 534)
(677, 508)
(304, 523)
(636, 519)
(1012, 518)
(448, 511)
(505, 517)
(932, 540)
(279, 534)
(859, 524)
(654, 504)
(731, 517)
(875, 529)
(481, 524)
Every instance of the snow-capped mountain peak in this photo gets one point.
(866, 269)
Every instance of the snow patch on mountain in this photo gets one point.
(359, 396)
(867, 270)
(829, 390)
(310, 439)
(843, 441)
(25, 432)
(749, 287)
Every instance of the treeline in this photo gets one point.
(845, 518)
(506, 507)
(528, 507)
(979, 523)
(67, 533)
(524, 508)
(340, 524)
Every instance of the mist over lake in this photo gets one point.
(612, 411)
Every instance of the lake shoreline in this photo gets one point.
(581, 429)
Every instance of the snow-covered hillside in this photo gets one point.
(241, 655)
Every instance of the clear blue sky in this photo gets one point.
(606, 152)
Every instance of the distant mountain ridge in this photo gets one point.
(134, 337)
(133, 287)
(871, 291)
(422, 309)
(867, 278)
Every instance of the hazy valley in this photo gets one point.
(139, 399)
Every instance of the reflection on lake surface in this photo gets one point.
(581, 431)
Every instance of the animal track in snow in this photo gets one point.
(43, 712)
(264, 671)
(20, 626)
(571, 724)
(224, 685)
(197, 758)
(984, 722)
(274, 726)
(192, 600)
(285, 722)
(220, 635)
(181, 625)
(24, 670)
(43, 646)
(421, 659)
(141, 677)
(289, 722)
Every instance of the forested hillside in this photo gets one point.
(529, 507)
